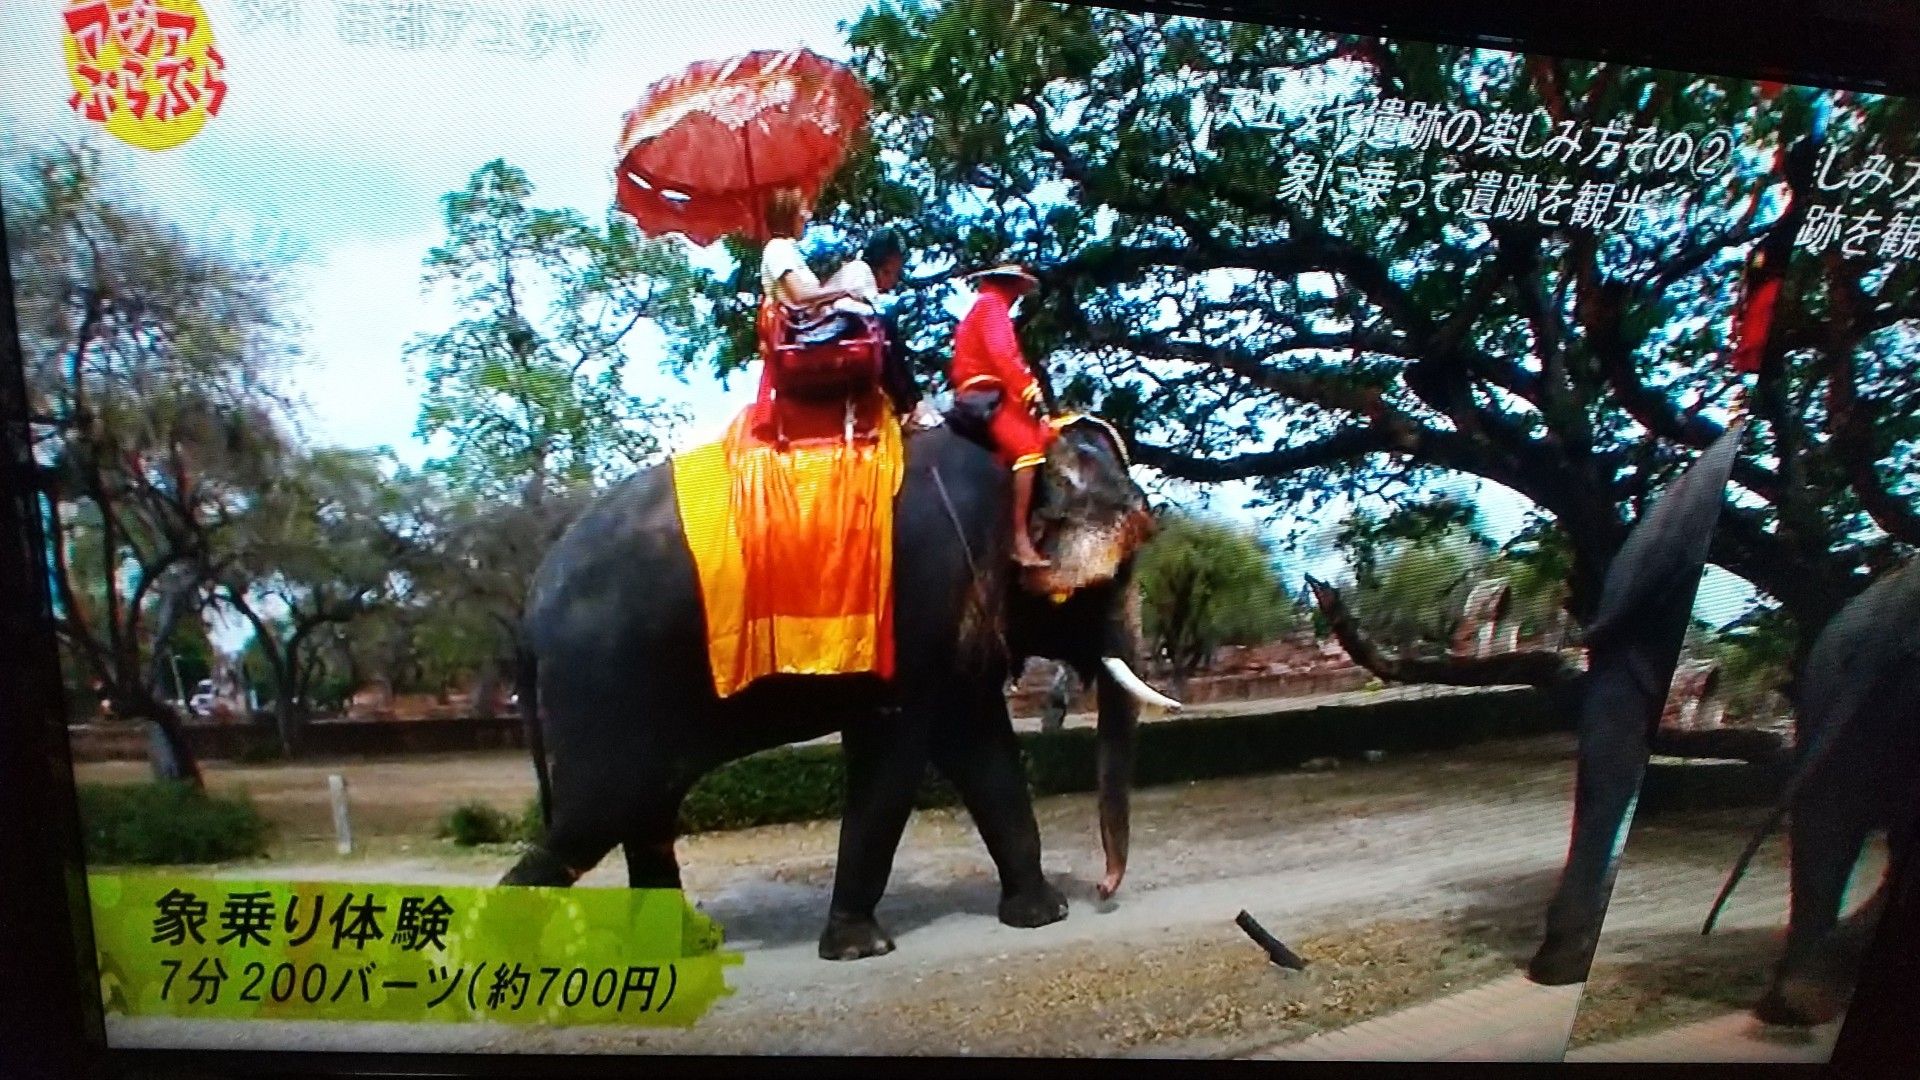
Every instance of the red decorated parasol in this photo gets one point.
(703, 149)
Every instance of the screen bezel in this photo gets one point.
(54, 1022)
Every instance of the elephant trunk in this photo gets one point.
(1122, 694)
(1119, 714)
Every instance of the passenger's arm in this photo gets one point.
(799, 288)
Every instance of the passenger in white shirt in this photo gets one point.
(784, 275)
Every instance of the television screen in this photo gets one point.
(895, 527)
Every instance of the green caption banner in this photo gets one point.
(281, 950)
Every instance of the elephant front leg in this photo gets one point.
(979, 755)
(886, 756)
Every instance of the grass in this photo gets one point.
(1690, 978)
(160, 824)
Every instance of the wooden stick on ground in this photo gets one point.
(1276, 951)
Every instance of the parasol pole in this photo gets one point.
(753, 187)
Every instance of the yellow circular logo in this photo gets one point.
(146, 70)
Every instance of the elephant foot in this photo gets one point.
(1801, 1001)
(1563, 960)
(1811, 985)
(540, 867)
(852, 938)
(1034, 908)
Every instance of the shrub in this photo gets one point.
(790, 784)
(166, 823)
(803, 783)
(478, 823)
(530, 827)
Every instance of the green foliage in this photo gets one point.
(165, 824)
(153, 360)
(1414, 569)
(1206, 583)
(473, 823)
(529, 386)
(1335, 350)
(189, 653)
(790, 784)
(1366, 537)
(1536, 564)
(330, 541)
(1756, 655)
(528, 828)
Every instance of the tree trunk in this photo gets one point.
(170, 753)
(486, 684)
(1059, 699)
(286, 721)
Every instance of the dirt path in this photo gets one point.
(1399, 881)
(1659, 990)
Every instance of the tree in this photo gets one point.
(189, 656)
(528, 387)
(1206, 583)
(148, 355)
(1536, 564)
(326, 543)
(1755, 654)
(1234, 333)
(1420, 592)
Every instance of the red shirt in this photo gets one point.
(986, 350)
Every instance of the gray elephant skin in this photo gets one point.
(616, 677)
(1857, 740)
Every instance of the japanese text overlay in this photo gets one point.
(206, 948)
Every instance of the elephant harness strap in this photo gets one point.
(792, 539)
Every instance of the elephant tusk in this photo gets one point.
(1135, 685)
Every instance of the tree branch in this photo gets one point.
(1601, 309)
(1347, 445)
(1540, 668)
(1850, 420)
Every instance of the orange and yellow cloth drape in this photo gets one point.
(794, 550)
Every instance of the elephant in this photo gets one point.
(1633, 646)
(1857, 745)
(616, 687)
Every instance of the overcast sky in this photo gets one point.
(344, 125)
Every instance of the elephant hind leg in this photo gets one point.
(1813, 979)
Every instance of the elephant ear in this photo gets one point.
(1085, 429)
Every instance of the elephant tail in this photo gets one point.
(1809, 762)
(1740, 865)
(527, 685)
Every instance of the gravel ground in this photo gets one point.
(1654, 970)
(1398, 881)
